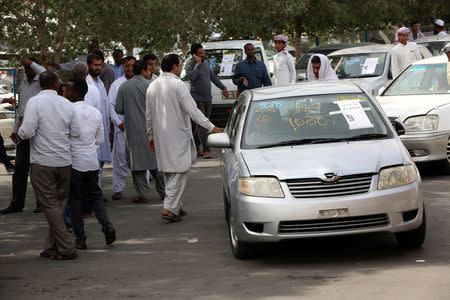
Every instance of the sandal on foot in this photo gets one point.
(171, 219)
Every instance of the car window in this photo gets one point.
(435, 47)
(320, 117)
(258, 54)
(358, 65)
(420, 80)
(232, 119)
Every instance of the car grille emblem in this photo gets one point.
(330, 177)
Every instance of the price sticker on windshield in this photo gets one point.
(369, 65)
(354, 114)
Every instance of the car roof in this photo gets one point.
(337, 46)
(433, 38)
(232, 44)
(432, 60)
(375, 48)
(304, 89)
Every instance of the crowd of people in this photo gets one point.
(63, 130)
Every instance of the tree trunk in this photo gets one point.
(184, 49)
(298, 45)
(128, 47)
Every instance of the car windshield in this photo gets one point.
(312, 119)
(421, 80)
(435, 47)
(358, 65)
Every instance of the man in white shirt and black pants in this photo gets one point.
(85, 165)
(48, 122)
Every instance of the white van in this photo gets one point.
(218, 54)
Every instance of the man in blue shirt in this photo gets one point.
(117, 67)
(250, 73)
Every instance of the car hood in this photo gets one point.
(411, 105)
(312, 161)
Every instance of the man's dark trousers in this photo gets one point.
(200, 133)
(85, 184)
(20, 176)
(3, 156)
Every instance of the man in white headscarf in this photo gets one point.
(404, 53)
(319, 69)
(283, 63)
(439, 28)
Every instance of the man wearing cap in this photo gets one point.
(404, 53)
(283, 63)
(439, 28)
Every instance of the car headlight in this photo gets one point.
(422, 123)
(260, 187)
(396, 176)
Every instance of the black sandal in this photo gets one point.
(171, 219)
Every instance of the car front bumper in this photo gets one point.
(424, 147)
(271, 212)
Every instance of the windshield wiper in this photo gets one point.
(302, 142)
(366, 136)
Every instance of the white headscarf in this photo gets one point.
(326, 72)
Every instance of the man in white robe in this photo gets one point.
(119, 157)
(80, 71)
(283, 63)
(319, 69)
(439, 28)
(404, 53)
(169, 109)
(94, 63)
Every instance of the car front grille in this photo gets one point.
(315, 187)
(333, 224)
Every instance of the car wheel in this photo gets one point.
(413, 238)
(240, 249)
(446, 162)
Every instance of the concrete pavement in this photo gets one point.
(152, 259)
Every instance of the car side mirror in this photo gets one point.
(219, 140)
(399, 128)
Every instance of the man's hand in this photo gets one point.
(20, 123)
(122, 126)
(11, 101)
(197, 59)
(14, 138)
(244, 81)
(53, 64)
(216, 130)
(226, 93)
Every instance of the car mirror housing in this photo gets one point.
(399, 128)
(219, 140)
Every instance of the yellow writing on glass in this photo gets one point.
(296, 123)
(342, 98)
(263, 118)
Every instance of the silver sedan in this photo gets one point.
(316, 159)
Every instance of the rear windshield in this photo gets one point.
(358, 65)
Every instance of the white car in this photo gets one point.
(434, 43)
(218, 55)
(420, 98)
(369, 66)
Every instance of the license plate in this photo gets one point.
(332, 213)
(233, 95)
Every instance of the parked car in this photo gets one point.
(370, 66)
(434, 43)
(325, 49)
(7, 115)
(314, 160)
(420, 98)
(215, 53)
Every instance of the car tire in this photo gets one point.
(413, 238)
(239, 249)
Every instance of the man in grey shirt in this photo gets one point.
(28, 88)
(200, 75)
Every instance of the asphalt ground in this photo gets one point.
(152, 259)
